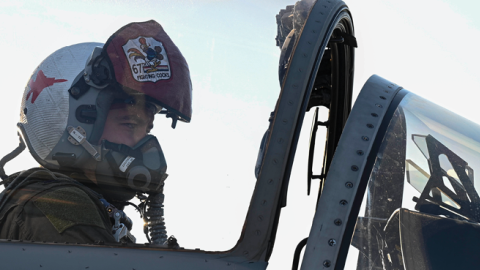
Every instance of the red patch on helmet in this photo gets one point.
(42, 82)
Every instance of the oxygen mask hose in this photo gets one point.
(155, 220)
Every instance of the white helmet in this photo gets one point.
(47, 104)
(67, 99)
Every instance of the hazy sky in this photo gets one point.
(428, 47)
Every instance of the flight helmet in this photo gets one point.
(68, 97)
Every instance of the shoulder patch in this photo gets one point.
(69, 206)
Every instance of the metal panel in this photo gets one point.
(335, 206)
(259, 230)
(22, 255)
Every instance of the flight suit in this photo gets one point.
(53, 210)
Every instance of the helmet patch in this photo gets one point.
(40, 83)
(147, 59)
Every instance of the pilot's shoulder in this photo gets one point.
(68, 206)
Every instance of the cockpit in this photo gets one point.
(274, 115)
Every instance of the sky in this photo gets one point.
(428, 47)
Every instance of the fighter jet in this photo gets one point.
(397, 185)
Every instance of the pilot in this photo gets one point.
(85, 117)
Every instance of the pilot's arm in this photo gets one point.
(58, 214)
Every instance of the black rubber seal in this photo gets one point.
(357, 202)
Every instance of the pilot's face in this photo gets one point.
(127, 124)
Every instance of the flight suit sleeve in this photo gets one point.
(65, 214)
